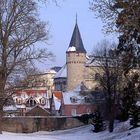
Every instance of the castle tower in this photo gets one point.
(75, 60)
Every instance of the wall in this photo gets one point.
(32, 124)
(80, 109)
(89, 78)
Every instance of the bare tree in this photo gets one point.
(109, 76)
(20, 30)
(104, 9)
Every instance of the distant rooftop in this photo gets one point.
(62, 73)
(56, 68)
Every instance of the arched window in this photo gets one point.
(19, 101)
(97, 76)
(31, 102)
(42, 101)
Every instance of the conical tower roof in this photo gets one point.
(76, 43)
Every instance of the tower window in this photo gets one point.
(97, 76)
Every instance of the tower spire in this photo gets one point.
(76, 39)
(76, 18)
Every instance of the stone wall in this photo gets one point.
(29, 124)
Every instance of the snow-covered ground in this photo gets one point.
(121, 132)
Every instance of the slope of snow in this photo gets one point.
(121, 132)
(62, 73)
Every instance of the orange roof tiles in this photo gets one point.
(57, 94)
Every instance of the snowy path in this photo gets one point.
(81, 133)
(71, 134)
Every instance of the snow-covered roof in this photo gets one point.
(97, 61)
(67, 96)
(76, 95)
(9, 108)
(92, 61)
(62, 73)
(71, 49)
(37, 95)
(51, 71)
(20, 106)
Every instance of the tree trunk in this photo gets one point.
(1, 114)
(2, 97)
(1, 111)
(111, 113)
(111, 124)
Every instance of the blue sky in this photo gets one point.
(62, 20)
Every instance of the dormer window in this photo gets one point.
(19, 101)
(31, 102)
(42, 101)
(73, 99)
(87, 100)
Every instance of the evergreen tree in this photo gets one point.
(134, 115)
(129, 97)
(127, 101)
(97, 122)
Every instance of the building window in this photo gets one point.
(42, 101)
(19, 101)
(87, 100)
(73, 99)
(31, 103)
(73, 112)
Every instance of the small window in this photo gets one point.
(97, 76)
(73, 99)
(42, 101)
(19, 101)
(87, 100)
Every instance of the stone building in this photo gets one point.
(78, 79)
(78, 68)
